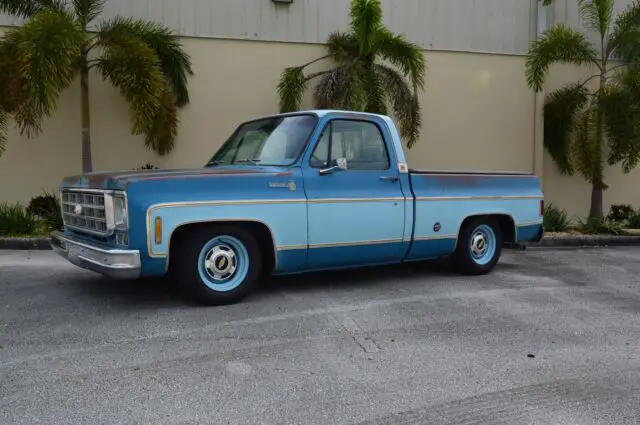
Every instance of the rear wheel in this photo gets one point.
(479, 246)
(217, 265)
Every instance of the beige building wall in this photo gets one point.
(477, 111)
(477, 114)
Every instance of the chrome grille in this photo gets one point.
(84, 211)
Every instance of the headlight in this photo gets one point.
(120, 212)
(115, 210)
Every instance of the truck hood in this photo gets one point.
(120, 180)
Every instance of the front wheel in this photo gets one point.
(217, 265)
(479, 247)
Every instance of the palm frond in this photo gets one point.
(366, 19)
(375, 93)
(354, 97)
(629, 79)
(558, 44)
(586, 146)
(175, 63)
(28, 8)
(291, 88)
(13, 85)
(161, 135)
(624, 40)
(340, 88)
(20, 8)
(342, 46)
(407, 56)
(621, 113)
(15, 94)
(4, 129)
(43, 53)
(88, 10)
(596, 14)
(29, 117)
(134, 68)
(405, 104)
(561, 109)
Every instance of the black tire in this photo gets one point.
(464, 261)
(188, 269)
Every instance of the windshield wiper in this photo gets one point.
(251, 160)
(214, 162)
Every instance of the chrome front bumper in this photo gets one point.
(115, 263)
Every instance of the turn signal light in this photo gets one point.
(158, 230)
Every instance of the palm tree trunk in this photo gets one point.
(596, 210)
(87, 165)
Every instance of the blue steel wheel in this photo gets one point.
(223, 263)
(479, 246)
(482, 244)
(216, 264)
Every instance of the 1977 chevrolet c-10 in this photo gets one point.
(292, 193)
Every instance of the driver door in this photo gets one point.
(356, 208)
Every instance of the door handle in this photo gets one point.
(390, 178)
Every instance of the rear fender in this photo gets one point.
(504, 219)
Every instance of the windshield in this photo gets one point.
(271, 141)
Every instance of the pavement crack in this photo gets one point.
(361, 338)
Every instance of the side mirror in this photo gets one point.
(339, 164)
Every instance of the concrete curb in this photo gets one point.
(40, 244)
(586, 240)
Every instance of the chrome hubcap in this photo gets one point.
(479, 245)
(220, 262)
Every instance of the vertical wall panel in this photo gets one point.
(495, 26)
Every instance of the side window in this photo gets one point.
(358, 143)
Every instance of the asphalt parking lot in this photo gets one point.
(550, 337)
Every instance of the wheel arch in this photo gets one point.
(260, 230)
(505, 221)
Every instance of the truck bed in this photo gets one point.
(445, 199)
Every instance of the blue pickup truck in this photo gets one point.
(293, 193)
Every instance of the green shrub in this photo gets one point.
(15, 220)
(147, 166)
(555, 219)
(633, 222)
(47, 207)
(38, 204)
(600, 226)
(620, 212)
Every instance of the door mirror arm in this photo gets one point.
(336, 165)
(330, 170)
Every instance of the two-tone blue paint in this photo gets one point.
(345, 219)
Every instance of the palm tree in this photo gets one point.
(42, 57)
(585, 128)
(359, 82)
